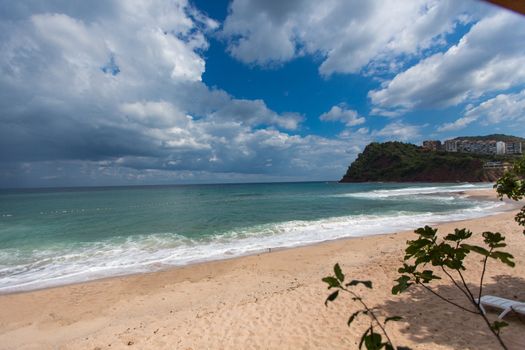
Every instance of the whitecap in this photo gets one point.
(63, 264)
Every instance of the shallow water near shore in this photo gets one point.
(58, 236)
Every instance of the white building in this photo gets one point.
(483, 146)
(500, 147)
(451, 145)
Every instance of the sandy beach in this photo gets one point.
(267, 301)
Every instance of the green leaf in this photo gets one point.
(402, 284)
(407, 269)
(498, 325)
(352, 317)
(520, 218)
(427, 276)
(367, 284)
(331, 297)
(373, 341)
(423, 259)
(417, 245)
(426, 232)
(454, 264)
(331, 281)
(475, 248)
(397, 289)
(338, 273)
(459, 235)
(505, 258)
(393, 318)
(364, 336)
(493, 239)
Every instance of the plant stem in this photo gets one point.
(455, 283)
(482, 314)
(371, 313)
(447, 300)
(483, 275)
(472, 299)
(496, 334)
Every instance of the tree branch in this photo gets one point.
(455, 283)
(471, 296)
(483, 275)
(447, 300)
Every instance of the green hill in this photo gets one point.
(404, 162)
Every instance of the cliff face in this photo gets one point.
(401, 162)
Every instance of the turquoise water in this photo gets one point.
(56, 236)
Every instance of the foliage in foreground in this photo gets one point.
(448, 255)
(372, 338)
(512, 185)
(428, 255)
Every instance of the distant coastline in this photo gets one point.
(405, 162)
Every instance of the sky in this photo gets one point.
(136, 92)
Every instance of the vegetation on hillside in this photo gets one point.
(405, 162)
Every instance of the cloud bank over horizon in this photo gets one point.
(115, 92)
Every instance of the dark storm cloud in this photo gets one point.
(99, 90)
(117, 83)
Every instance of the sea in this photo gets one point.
(51, 237)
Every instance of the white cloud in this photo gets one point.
(390, 113)
(348, 35)
(457, 124)
(116, 89)
(342, 114)
(356, 139)
(399, 131)
(157, 114)
(255, 112)
(505, 108)
(488, 58)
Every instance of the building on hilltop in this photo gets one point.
(482, 146)
(433, 145)
(451, 145)
(514, 148)
(501, 147)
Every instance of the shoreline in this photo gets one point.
(477, 194)
(267, 300)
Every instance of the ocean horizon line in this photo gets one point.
(137, 186)
(88, 187)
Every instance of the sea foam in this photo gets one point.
(408, 191)
(60, 265)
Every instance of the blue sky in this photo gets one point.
(174, 91)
